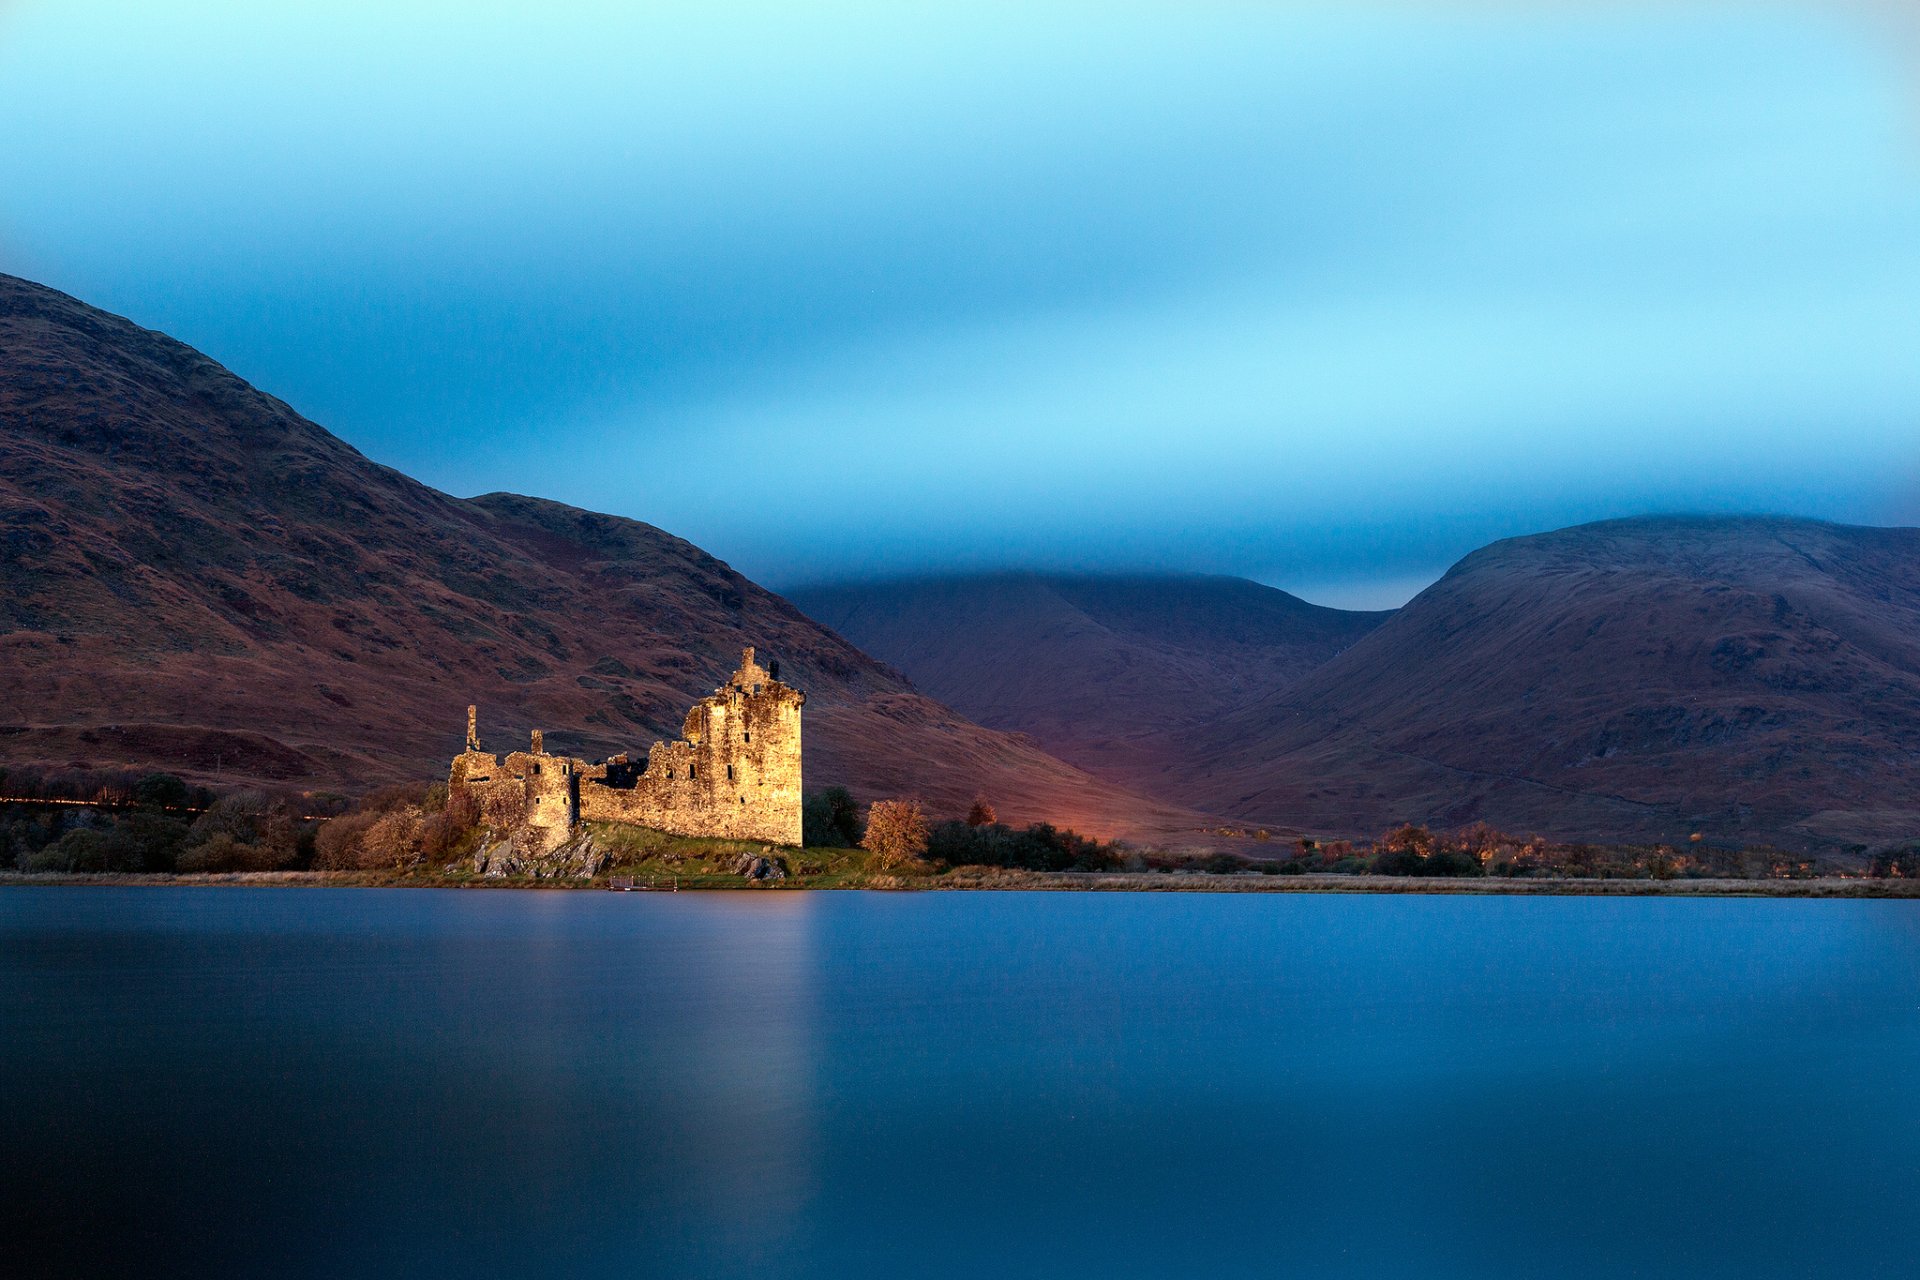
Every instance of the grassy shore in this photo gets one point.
(962, 879)
(654, 860)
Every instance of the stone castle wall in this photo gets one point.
(529, 790)
(734, 773)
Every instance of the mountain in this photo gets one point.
(194, 577)
(1097, 669)
(1753, 679)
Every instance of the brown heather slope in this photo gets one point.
(1098, 669)
(1752, 679)
(194, 577)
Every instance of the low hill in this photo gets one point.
(1097, 669)
(1753, 679)
(194, 577)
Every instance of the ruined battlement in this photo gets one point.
(528, 789)
(733, 773)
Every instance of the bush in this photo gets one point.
(1896, 864)
(397, 828)
(896, 831)
(1452, 862)
(246, 831)
(161, 791)
(1398, 862)
(145, 840)
(82, 849)
(1410, 838)
(830, 820)
(1416, 851)
(336, 846)
(1041, 847)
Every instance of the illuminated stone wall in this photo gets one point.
(734, 772)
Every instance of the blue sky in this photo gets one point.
(1326, 295)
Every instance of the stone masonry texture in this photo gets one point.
(734, 773)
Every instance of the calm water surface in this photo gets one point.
(304, 1082)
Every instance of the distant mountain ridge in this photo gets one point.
(1751, 679)
(194, 577)
(1754, 679)
(1097, 668)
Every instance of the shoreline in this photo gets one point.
(997, 880)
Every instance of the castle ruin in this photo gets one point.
(734, 773)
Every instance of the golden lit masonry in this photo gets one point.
(733, 773)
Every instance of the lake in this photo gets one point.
(218, 1082)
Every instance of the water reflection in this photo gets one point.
(302, 1082)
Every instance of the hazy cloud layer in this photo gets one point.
(1324, 294)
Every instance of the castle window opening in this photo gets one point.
(729, 773)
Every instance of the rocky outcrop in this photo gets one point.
(758, 867)
(525, 854)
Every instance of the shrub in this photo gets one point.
(161, 791)
(336, 847)
(1398, 862)
(896, 831)
(1410, 838)
(1416, 851)
(246, 831)
(1896, 864)
(1452, 862)
(145, 840)
(82, 849)
(830, 819)
(1041, 847)
(389, 830)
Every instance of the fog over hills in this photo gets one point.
(194, 577)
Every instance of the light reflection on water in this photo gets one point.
(319, 1082)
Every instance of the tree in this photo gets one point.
(896, 831)
(982, 814)
(830, 819)
(161, 790)
(1410, 837)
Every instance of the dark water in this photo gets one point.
(298, 1082)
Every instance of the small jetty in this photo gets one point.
(652, 884)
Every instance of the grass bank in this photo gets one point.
(847, 869)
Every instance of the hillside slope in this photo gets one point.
(193, 576)
(1753, 679)
(1097, 669)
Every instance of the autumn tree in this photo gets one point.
(982, 814)
(896, 831)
